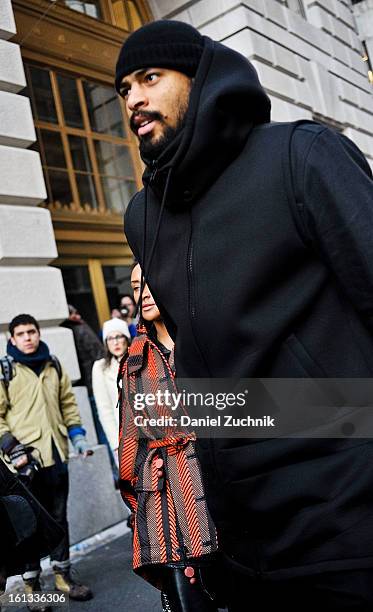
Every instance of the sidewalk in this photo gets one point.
(106, 567)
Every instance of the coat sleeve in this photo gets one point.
(337, 192)
(104, 405)
(68, 405)
(129, 446)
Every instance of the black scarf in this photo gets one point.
(36, 361)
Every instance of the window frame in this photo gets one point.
(89, 135)
(108, 16)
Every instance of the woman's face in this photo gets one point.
(150, 311)
(116, 343)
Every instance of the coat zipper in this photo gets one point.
(154, 171)
(192, 306)
(192, 302)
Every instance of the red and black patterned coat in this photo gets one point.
(160, 476)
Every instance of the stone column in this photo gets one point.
(29, 285)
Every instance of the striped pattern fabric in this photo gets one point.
(172, 522)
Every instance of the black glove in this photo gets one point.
(16, 451)
(18, 456)
(8, 442)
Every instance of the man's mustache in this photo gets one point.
(146, 116)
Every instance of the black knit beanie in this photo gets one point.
(160, 44)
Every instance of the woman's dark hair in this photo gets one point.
(147, 324)
(22, 319)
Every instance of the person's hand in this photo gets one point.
(81, 446)
(18, 456)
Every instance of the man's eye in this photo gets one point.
(124, 90)
(151, 76)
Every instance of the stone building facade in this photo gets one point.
(363, 13)
(307, 52)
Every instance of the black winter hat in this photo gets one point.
(160, 44)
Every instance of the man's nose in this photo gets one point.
(136, 97)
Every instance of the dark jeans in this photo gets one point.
(342, 591)
(51, 487)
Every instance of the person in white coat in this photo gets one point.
(116, 337)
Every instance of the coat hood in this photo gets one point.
(226, 101)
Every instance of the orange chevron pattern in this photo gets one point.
(159, 522)
(172, 520)
(189, 503)
(136, 547)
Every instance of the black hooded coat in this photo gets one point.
(262, 266)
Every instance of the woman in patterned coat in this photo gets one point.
(174, 543)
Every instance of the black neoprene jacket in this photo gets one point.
(264, 254)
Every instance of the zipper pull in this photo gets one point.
(154, 171)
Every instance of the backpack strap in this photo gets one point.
(56, 364)
(7, 369)
(297, 208)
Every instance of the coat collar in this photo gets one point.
(137, 353)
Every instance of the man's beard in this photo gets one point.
(150, 150)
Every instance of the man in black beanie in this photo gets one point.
(256, 241)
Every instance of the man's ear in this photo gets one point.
(12, 340)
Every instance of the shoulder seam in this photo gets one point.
(315, 136)
(312, 127)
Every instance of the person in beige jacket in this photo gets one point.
(116, 337)
(38, 412)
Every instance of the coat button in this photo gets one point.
(158, 463)
(189, 571)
